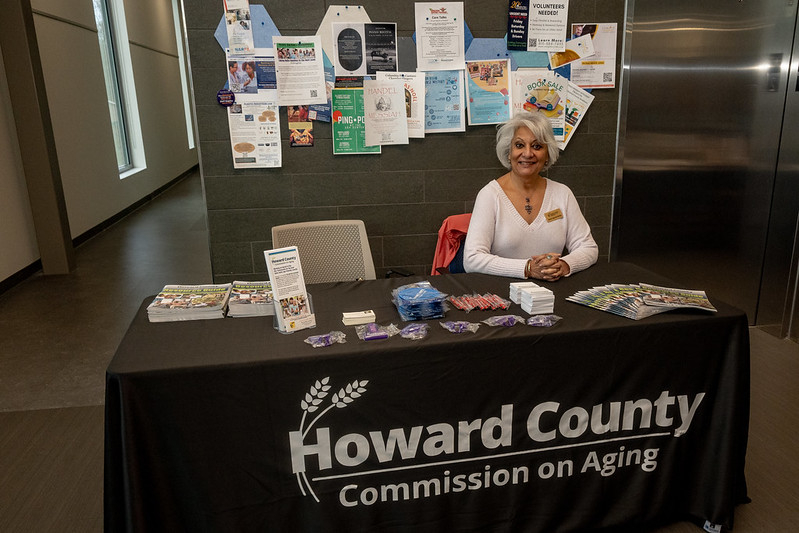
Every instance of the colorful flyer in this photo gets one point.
(439, 35)
(541, 91)
(239, 26)
(384, 112)
(445, 104)
(577, 103)
(349, 134)
(414, 83)
(362, 49)
(300, 126)
(255, 134)
(299, 70)
(537, 25)
(488, 91)
(576, 49)
(598, 71)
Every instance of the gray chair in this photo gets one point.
(330, 250)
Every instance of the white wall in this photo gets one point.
(17, 234)
(82, 126)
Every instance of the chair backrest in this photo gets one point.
(330, 250)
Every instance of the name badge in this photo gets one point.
(553, 215)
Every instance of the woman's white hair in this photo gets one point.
(540, 127)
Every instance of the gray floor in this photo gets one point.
(57, 335)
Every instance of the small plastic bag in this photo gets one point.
(459, 326)
(415, 331)
(543, 320)
(318, 341)
(373, 331)
(504, 320)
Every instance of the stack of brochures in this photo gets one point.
(189, 302)
(537, 300)
(356, 318)
(251, 298)
(419, 301)
(642, 300)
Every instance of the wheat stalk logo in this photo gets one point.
(312, 402)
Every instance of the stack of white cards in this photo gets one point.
(517, 286)
(537, 300)
(356, 318)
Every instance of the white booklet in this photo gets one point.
(292, 308)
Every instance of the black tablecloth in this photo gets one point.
(597, 422)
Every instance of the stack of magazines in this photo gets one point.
(189, 302)
(642, 300)
(251, 298)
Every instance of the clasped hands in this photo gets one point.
(548, 267)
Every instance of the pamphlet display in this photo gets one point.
(488, 91)
(439, 35)
(291, 302)
(642, 300)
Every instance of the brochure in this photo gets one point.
(251, 298)
(413, 82)
(541, 91)
(349, 133)
(362, 49)
(440, 35)
(384, 112)
(239, 26)
(292, 309)
(299, 69)
(642, 300)
(189, 302)
(444, 101)
(598, 71)
(577, 103)
(488, 91)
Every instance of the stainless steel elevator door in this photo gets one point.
(702, 106)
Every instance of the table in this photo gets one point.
(597, 422)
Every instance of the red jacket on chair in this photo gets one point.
(450, 237)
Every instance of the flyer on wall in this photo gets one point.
(362, 49)
(445, 109)
(439, 35)
(349, 134)
(385, 120)
(299, 69)
(300, 126)
(413, 82)
(250, 74)
(488, 91)
(239, 26)
(539, 90)
(255, 134)
(292, 308)
(577, 103)
(537, 26)
(599, 71)
(576, 49)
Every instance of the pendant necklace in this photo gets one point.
(528, 207)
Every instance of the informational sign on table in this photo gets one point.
(292, 308)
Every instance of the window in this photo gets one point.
(184, 80)
(118, 74)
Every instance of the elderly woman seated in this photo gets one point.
(522, 222)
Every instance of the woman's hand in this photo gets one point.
(548, 267)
